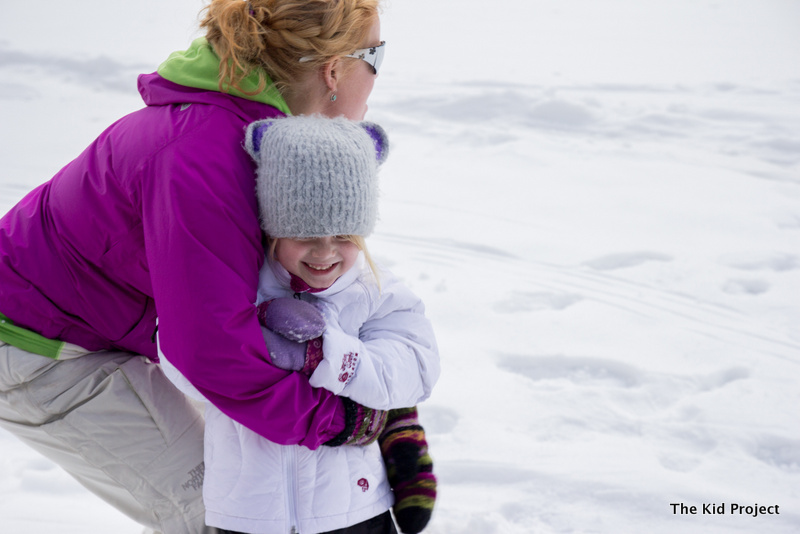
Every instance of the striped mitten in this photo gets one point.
(362, 425)
(410, 469)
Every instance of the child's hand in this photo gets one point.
(285, 353)
(294, 319)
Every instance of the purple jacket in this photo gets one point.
(158, 217)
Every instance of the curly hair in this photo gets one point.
(272, 35)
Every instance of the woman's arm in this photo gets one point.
(204, 251)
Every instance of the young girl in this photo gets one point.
(330, 313)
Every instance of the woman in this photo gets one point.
(159, 214)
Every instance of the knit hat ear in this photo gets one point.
(380, 139)
(254, 135)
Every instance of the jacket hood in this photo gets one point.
(198, 67)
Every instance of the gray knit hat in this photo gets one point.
(317, 176)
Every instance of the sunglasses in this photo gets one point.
(372, 55)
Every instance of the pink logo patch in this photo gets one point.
(363, 484)
(349, 363)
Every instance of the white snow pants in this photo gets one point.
(115, 423)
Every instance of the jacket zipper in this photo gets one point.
(290, 468)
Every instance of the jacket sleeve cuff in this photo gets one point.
(341, 356)
(350, 416)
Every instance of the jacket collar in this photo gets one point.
(198, 67)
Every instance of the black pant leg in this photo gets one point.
(380, 524)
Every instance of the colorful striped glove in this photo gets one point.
(410, 469)
(362, 425)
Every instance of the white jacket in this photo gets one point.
(381, 331)
(390, 359)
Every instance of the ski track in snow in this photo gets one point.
(558, 287)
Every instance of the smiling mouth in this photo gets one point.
(321, 269)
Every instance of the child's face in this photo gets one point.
(318, 261)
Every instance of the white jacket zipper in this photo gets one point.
(289, 470)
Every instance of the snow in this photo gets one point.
(599, 203)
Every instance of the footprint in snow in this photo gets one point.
(742, 286)
(478, 472)
(579, 370)
(778, 262)
(437, 419)
(683, 448)
(589, 371)
(625, 259)
(536, 300)
(787, 220)
(777, 451)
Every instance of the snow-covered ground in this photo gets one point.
(599, 203)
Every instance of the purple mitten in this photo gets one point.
(285, 354)
(294, 319)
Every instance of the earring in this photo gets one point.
(333, 97)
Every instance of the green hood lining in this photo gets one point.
(198, 67)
